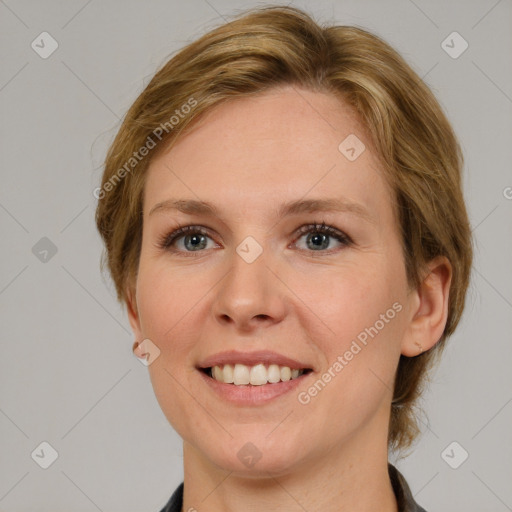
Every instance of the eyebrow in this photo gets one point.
(192, 206)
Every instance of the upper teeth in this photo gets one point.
(240, 374)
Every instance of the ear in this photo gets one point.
(429, 309)
(133, 316)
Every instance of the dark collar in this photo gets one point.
(403, 494)
(404, 497)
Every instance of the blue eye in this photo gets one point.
(195, 238)
(320, 235)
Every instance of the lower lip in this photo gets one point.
(251, 395)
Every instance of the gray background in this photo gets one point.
(67, 372)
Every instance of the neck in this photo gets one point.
(352, 477)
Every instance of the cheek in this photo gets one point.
(357, 326)
(166, 297)
(362, 324)
(345, 300)
(167, 303)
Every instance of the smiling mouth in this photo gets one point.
(256, 375)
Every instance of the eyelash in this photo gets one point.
(165, 242)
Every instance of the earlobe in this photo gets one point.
(431, 309)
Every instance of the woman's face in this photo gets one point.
(246, 279)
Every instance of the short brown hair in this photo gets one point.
(274, 46)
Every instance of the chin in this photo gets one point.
(256, 456)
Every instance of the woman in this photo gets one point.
(283, 218)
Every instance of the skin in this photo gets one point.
(249, 156)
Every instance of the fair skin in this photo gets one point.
(248, 157)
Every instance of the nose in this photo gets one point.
(251, 295)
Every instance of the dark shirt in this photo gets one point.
(403, 495)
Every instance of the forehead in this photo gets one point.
(261, 151)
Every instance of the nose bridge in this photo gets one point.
(249, 291)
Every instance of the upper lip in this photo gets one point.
(251, 359)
